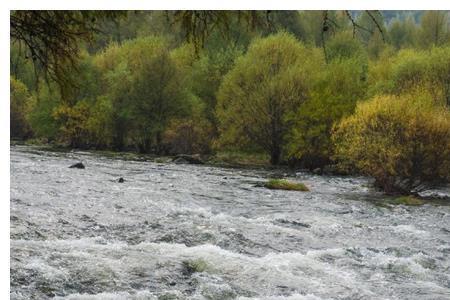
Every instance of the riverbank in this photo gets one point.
(226, 159)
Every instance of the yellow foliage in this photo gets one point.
(391, 137)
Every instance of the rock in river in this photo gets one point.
(187, 159)
(78, 165)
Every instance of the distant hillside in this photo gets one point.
(390, 15)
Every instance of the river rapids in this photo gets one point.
(199, 232)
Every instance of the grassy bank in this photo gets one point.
(233, 159)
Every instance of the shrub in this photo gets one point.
(403, 137)
(188, 136)
(73, 124)
(20, 105)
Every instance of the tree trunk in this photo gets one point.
(158, 142)
(275, 155)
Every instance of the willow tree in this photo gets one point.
(262, 89)
(145, 85)
(52, 39)
(157, 92)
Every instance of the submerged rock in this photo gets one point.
(194, 266)
(187, 159)
(78, 165)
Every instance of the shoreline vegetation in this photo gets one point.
(300, 94)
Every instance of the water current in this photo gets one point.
(175, 231)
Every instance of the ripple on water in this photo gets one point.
(78, 234)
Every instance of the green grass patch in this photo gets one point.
(282, 184)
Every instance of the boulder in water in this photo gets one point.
(78, 165)
(188, 159)
(317, 171)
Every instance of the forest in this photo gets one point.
(364, 93)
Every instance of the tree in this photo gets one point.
(343, 46)
(368, 24)
(269, 82)
(157, 92)
(336, 89)
(402, 34)
(52, 38)
(434, 30)
(41, 114)
(207, 74)
(147, 87)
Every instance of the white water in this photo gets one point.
(79, 234)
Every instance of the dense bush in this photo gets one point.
(41, 117)
(21, 102)
(397, 137)
(399, 73)
(190, 134)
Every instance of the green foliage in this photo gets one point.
(391, 137)
(41, 114)
(434, 29)
(249, 93)
(403, 34)
(337, 89)
(270, 81)
(344, 46)
(99, 123)
(22, 68)
(370, 25)
(156, 93)
(282, 184)
(207, 74)
(146, 86)
(429, 69)
(73, 123)
(21, 102)
(189, 134)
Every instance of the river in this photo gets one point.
(199, 232)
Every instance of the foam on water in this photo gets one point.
(79, 234)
